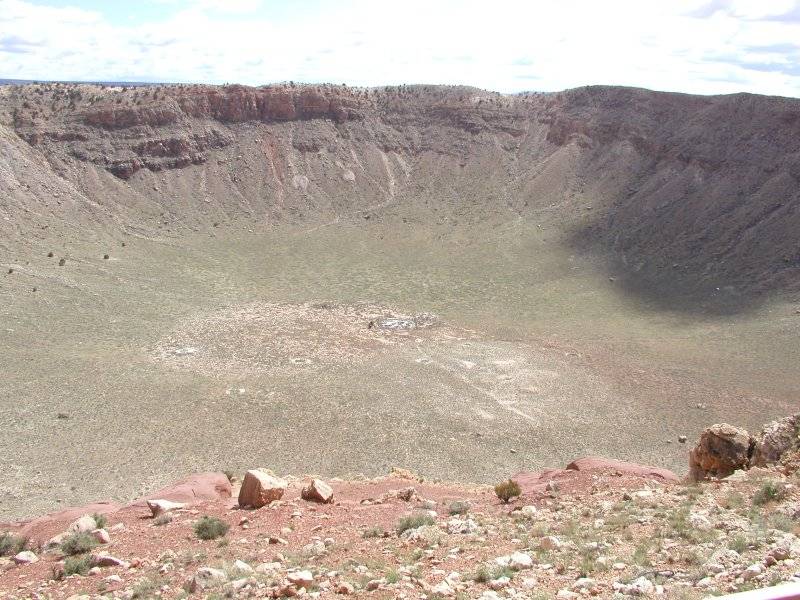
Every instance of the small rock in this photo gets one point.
(457, 525)
(268, 568)
(242, 566)
(317, 491)
(374, 584)
(516, 561)
(205, 577)
(101, 535)
(25, 557)
(85, 524)
(55, 541)
(700, 522)
(641, 586)
(584, 583)
(106, 560)
(499, 583)
(345, 588)
(159, 507)
(443, 589)
(752, 571)
(550, 542)
(302, 579)
(682, 439)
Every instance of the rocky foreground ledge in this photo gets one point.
(599, 528)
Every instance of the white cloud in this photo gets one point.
(703, 46)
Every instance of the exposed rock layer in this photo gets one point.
(684, 193)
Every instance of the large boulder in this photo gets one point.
(776, 439)
(721, 450)
(259, 488)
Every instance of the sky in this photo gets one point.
(695, 46)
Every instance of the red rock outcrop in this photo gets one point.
(195, 488)
(112, 116)
(597, 463)
(721, 450)
(577, 475)
(200, 487)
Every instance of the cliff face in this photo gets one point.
(700, 189)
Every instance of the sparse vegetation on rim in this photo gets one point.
(210, 528)
(507, 490)
(11, 544)
(78, 543)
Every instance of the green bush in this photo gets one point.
(770, 491)
(739, 543)
(162, 519)
(413, 522)
(458, 507)
(507, 490)
(373, 532)
(11, 544)
(78, 543)
(210, 528)
(77, 565)
(485, 574)
(100, 520)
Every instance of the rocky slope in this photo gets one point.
(598, 528)
(682, 193)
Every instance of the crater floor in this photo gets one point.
(230, 349)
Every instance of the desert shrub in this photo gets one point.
(147, 588)
(640, 556)
(78, 543)
(11, 544)
(782, 522)
(507, 490)
(732, 501)
(210, 528)
(373, 532)
(739, 543)
(392, 576)
(769, 491)
(458, 507)
(587, 565)
(100, 520)
(162, 519)
(77, 565)
(485, 574)
(413, 522)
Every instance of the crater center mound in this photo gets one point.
(253, 338)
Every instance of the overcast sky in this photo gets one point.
(700, 46)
